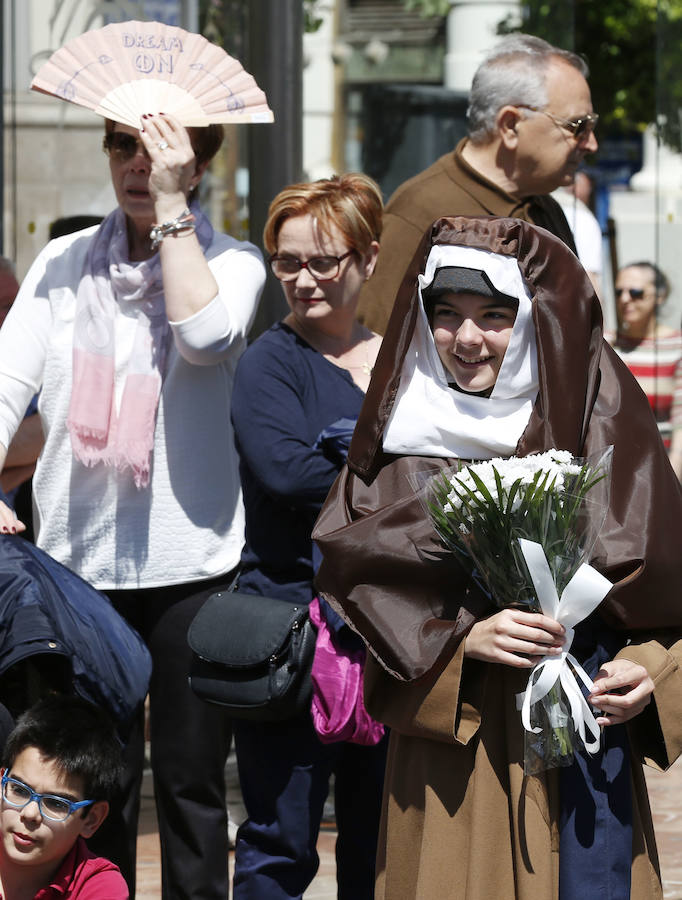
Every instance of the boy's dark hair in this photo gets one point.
(76, 736)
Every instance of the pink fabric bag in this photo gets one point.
(338, 708)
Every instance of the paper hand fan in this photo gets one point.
(129, 68)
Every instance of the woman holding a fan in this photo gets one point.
(132, 331)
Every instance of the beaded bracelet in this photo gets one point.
(183, 224)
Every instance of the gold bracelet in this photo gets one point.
(185, 223)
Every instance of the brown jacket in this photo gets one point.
(449, 187)
(461, 821)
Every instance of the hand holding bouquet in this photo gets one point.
(526, 526)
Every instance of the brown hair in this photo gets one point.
(206, 141)
(352, 203)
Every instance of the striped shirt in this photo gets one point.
(656, 363)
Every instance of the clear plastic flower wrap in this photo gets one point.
(526, 527)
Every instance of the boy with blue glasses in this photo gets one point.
(60, 766)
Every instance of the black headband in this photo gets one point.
(461, 280)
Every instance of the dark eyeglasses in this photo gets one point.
(322, 268)
(121, 145)
(635, 293)
(19, 795)
(579, 128)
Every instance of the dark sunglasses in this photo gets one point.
(122, 145)
(635, 293)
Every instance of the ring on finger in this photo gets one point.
(163, 145)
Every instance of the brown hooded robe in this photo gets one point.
(461, 822)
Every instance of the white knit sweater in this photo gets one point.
(188, 525)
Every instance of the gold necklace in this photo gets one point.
(364, 367)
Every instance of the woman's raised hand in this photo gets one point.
(9, 523)
(621, 691)
(174, 167)
(514, 637)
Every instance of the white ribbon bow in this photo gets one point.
(580, 597)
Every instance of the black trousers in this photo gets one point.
(190, 741)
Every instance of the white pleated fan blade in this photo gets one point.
(127, 69)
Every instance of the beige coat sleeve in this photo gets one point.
(656, 733)
(443, 706)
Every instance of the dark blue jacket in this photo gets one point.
(47, 610)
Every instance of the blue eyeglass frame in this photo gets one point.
(74, 805)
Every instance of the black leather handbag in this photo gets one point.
(252, 655)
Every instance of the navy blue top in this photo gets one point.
(285, 394)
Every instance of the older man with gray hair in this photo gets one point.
(530, 124)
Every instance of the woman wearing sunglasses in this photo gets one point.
(307, 373)
(131, 331)
(651, 350)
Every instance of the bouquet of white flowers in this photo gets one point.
(526, 527)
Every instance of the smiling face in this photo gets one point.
(548, 155)
(27, 839)
(471, 333)
(329, 306)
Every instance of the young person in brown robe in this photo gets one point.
(461, 821)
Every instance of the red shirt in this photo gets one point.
(84, 876)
